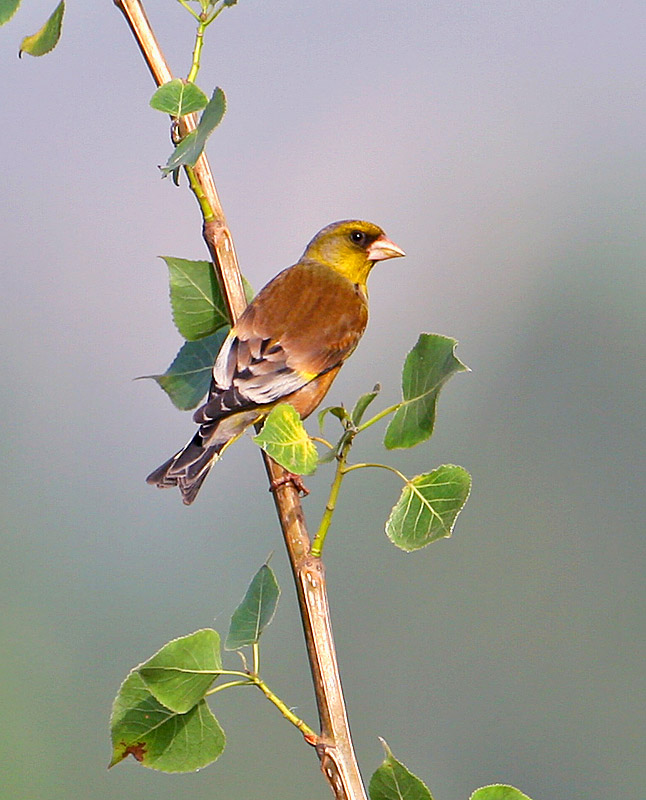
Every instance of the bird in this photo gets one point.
(288, 345)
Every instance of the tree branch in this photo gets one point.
(334, 746)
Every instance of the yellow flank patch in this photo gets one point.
(307, 376)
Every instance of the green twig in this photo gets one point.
(202, 199)
(253, 679)
(289, 715)
(319, 540)
(197, 51)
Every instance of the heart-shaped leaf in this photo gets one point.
(284, 438)
(158, 737)
(178, 97)
(428, 507)
(195, 296)
(180, 674)
(188, 378)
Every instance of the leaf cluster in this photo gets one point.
(200, 316)
(162, 719)
(429, 503)
(160, 715)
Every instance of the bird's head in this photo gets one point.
(351, 248)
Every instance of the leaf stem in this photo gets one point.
(255, 649)
(378, 416)
(366, 465)
(334, 746)
(322, 441)
(222, 686)
(191, 11)
(216, 13)
(219, 671)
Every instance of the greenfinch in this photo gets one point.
(287, 346)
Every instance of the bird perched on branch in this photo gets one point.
(287, 346)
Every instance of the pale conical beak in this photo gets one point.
(382, 248)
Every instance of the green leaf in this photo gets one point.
(180, 674)
(498, 791)
(7, 9)
(362, 404)
(256, 610)
(337, 411)
(188, 378)
(428, 507)
(284, 438)
(158, 737)
(178, 97)
(393, 781)
(190, 148)
(47, 37)
(427, 368)
(195, 297)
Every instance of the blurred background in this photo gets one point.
(501, 144)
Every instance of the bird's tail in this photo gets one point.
(188, 468)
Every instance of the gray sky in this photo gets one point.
(501, 144)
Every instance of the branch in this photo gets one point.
(334, 746)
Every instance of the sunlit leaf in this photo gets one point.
(498, 791)
(178, 97)
(190, 148)
(158, 737)
(7, 9)
(256, 610)
(393, 781)
(187, 379)
(428, 507)
(47, 37)
(195, 297)
(179, 674)
(284, 438)
(427, 368)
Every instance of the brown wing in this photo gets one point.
(303, 324)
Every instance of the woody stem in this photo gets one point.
(334, 746)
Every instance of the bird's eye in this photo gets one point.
(358, 237)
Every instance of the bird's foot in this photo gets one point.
(295, 480)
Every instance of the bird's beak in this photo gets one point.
(382, 248)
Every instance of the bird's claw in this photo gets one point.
(294, 479)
